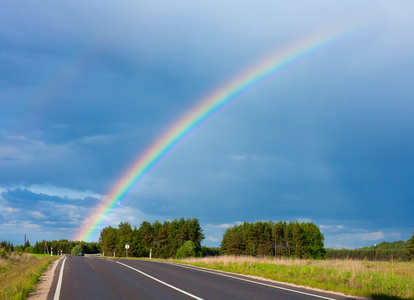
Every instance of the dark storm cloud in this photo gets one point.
(28, 197)
(86, 87)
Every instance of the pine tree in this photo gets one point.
(124, 234)
(108, 240)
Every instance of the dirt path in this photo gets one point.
(42, 289)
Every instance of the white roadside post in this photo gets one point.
(150, 252)
(126, 247)
(51, 251)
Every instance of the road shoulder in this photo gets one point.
(45, 282)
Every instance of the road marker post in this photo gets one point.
(126, 247)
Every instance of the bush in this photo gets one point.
(29, 250)
(187, 250)
(76, 250)
(3, 253)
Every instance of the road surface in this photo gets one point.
(101, 278)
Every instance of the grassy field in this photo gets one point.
(19, 274)
(378, 280)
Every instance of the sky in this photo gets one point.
(87, 87)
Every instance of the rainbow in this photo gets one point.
(205, 109)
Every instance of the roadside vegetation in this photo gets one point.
(379, 280)
(20, 272)
(385, 251)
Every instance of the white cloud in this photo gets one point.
(97, 139)
(356, 238)
(301, 220)
(331, 227)
(372, 236)
(221, 226)
(51, 223)
(37, 215)
(212, 239)
(27, 225)
(394, 235)
(238, 157)
(6, 211)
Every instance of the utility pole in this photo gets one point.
(45, 248)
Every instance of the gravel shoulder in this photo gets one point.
(45, 282)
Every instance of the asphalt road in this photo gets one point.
(98, 278)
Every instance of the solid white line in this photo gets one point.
(59, 285)
(160, 281)
(247, 280)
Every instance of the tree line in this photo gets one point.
(256, 239)
(373, 255)
(45, 247)
(65, 246)
(293, 239)
(163, 240)
(385, 251)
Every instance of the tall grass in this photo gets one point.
(379, 280)
(19, 274)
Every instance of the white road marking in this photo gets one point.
(247, 280)
(59, 284)
(160, 281)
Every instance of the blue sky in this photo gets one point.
(86, 87)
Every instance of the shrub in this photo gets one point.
(3, 253)
(76, 250)
(28, 250)
(187, 250)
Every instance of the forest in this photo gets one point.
(163, 240)
(293, 239)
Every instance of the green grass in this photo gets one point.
(44, 255)
(379, 280)
(20, 273)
